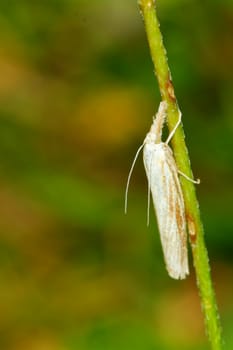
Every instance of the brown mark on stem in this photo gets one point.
(192, 229)
(170, 90)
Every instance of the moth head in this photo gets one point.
(151, 138)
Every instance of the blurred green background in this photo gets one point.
(77, 96)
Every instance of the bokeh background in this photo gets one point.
(77, 95)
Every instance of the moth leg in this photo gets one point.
(189, 178)
(170, 136)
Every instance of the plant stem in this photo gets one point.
(196, 232)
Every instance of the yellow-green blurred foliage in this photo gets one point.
(77, 95)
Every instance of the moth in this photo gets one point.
(167, 196)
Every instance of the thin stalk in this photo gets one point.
(195, 227)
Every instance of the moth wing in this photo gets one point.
(170, 211)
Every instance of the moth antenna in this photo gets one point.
(129, 176)
(170, 136)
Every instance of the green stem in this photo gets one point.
(196, 232)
